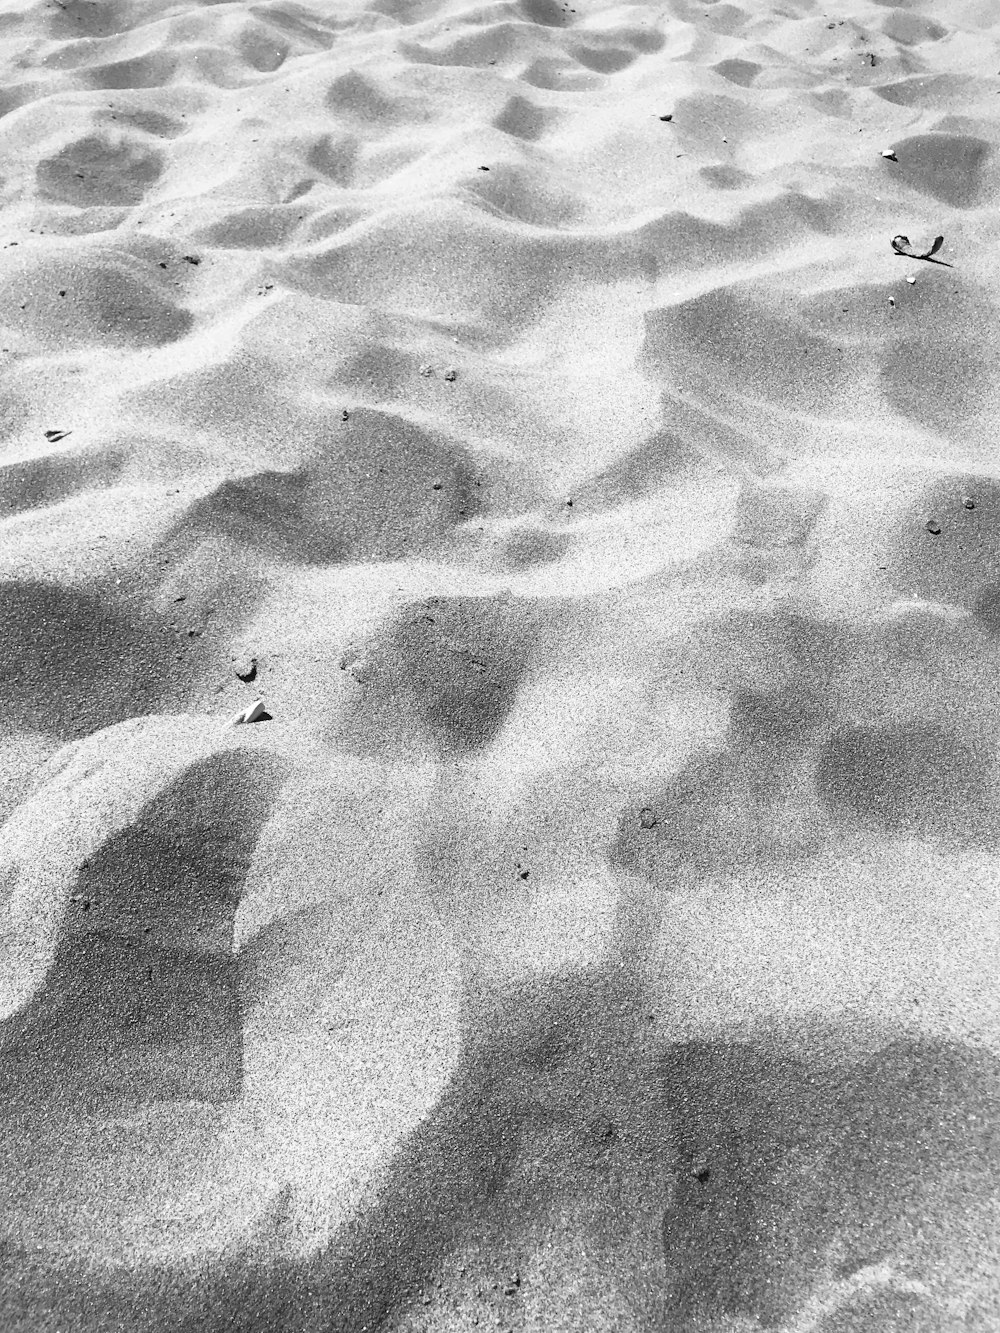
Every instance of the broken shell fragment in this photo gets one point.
(890, 154)
(252, 714)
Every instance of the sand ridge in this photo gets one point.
(599, 930)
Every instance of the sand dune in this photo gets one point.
(525, 403)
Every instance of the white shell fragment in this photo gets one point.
(890, 153)
(910, 279)
(252, 714)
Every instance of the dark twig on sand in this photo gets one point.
(901, 245)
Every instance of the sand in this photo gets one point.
(524, 403)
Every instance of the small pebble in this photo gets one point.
(451, 375)
(426, 369)
(245, 668)
(889, 153)
(933, 527)
(345, 415)
(911, 280)
(647, 818)
(968, 501)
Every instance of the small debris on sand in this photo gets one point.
(451, 375)
(666, 117)
(647, 818)
(890, 154)
(902, 246)
(933, 527)
(910, 279)
(968, 502)
(53, 436)
(345, 415)
(513, 1282)
(252, 714)
(426, 369)
(245, 667)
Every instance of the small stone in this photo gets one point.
(910, 279)
(701, 1172)
(933, 527)
(968, 501)
(890, 154)
(451, 376)
(245, 668)
(345, 415)
(667, 118)
(436, 486)
(513, 1282)
(252, 714)
(426, 369)
(647, 818)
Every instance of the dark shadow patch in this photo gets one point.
(603, 59)
(912, 29)
(155, 70)
(645, 469)
(725, 178)
(530, 546)
(142, 998)
(263, 511)
(770, 353)
(334, 158)
(939, 382)
(95, 172)
(915, 778)
(443, 674)
(547, 13)
(774, 515)
(261, 50)
(353, 95)
(523, 119)
(740, 72)
(297, 21)
(35, 483)
(946, 166)
(800, 1157)
(250, 228)
(379, 488)
(987, 610)
(782, 717)
(75, 662)
(93, 18)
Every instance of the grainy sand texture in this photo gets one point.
(520, 414)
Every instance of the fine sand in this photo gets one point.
(525, 403)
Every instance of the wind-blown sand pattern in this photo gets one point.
(524, 402)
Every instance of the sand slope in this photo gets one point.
(525, 403)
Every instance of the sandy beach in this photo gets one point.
(499, 648)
